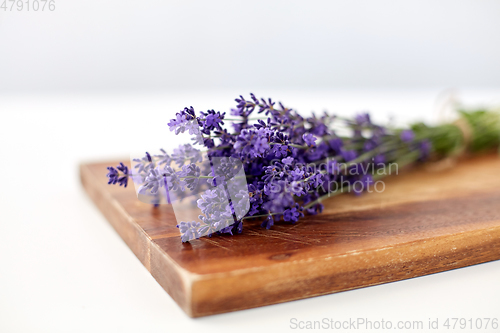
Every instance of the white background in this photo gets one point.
(156, 45)
(96, 80)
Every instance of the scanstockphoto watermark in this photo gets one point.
(27, 5)
(355, 324)
(340, 177)
(429, 324)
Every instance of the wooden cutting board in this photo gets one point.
(424, 222)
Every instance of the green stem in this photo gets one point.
(369, 154)
(289, 144)
(263, 215)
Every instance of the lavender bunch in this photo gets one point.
(289, 163)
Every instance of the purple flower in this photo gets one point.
(379, 159)
(255, 198)
(225, 168)
(280, 150)
(297, 174)
(185, 119)
(185, 153)
(363, 119)
(332, 167)
(316, 180)
(336, 144)
(252, 143)
(349, 155)
(369, 145)
(309, 139)
(407, 136)
(119, 175)
(214, 203)
(239, 227)
(315, 209)
(268, 222)
(191, 174)
(212, 121)
(271, 172)
(318, 153)
(262, 124)
(153, 181)
(144, 164)
(278, 196)
(189, 230)
(266, 106)
(292, 214)
(317, 125)
(157, 178)
(425, 148)
(244, 108)
(287, 160)
(297, 188)
(241, 203)
(227, 230)
(164, 158)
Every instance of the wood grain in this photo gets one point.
(423, 223)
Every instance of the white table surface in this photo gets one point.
(64, 269)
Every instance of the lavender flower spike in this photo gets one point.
(119, 175)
